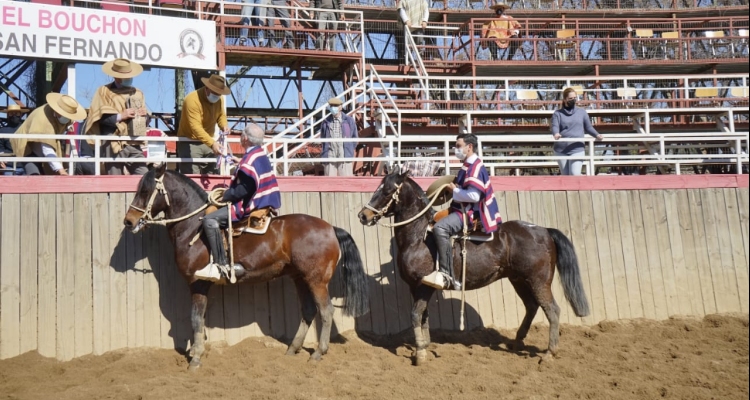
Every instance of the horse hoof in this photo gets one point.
(194, 365)
(516, 346)
(420, 357)
(546, 358)
(291, 352)
(315, 357)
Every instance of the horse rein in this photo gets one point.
(394, 197)
(148, 219)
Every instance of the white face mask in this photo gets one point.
(459, 152)
(334, 109)
(213, 98)
(63, 120)
(126, 82)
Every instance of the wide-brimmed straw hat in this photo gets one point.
(217, 84)
(13, 108)
(443, 197)
(66, 106)
(122, 68)
(499, 5)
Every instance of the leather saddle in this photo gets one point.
(476, 232)
(257, 222)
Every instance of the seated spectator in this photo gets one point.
(14, 114)
(52, 118)
(119, 108)
(505, 30)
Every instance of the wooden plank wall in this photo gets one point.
(72, 282)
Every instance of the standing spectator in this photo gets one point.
(202, 110)
(14, 113)
(254, 15)
(282, 14)
(119, 108)
(414, 14)
(338, 125)
(52, 118)
(571, 122)
(504, 29)
(327, 21)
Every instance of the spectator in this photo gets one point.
(254, 15)
(202, 110)
(14, 113)
(52, 118)
(327, 21)
(281, 14)
(338, 125)
(119, 108)
(504, 29)
(571, 122)
(413, 14)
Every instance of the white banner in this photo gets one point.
(84, 35)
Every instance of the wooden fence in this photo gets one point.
(73, 282)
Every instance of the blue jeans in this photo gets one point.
(570, 167)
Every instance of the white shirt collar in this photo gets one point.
(471, 158)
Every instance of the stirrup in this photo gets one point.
(440, 280)
(209, 273)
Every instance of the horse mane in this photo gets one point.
(148, 183)
(421, 193)
(190, 183)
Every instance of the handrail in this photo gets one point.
(494, 157)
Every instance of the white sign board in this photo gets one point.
(86, 35)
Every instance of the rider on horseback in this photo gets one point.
(253, 187)
(473, 193)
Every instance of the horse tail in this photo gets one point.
(570, 274)
(357, 295)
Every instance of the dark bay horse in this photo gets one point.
(304, 247)
(524, 253)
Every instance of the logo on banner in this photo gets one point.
(191, 44)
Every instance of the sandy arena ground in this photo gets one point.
(675, 359)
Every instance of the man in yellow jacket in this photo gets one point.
(504, 30)
(202, 110)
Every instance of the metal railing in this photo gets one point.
(550, 5)
(498, 152)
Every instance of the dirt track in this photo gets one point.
(676, 359)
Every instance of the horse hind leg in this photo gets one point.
(307, 305)
(323, 301)
(199, 292)
(552, 311)
(532, 306)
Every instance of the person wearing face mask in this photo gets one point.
(504, 29)
(253, 187)
(118, 108)
(52, 118)
(472, 192)
(571, 122)
(338, 125)
(202, 110)
(12, 122)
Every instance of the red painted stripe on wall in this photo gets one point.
(116, 184)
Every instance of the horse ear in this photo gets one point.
(405, 174)
(160, 170)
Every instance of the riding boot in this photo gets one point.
(211, 271)
(444, 278)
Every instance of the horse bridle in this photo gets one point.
(148, 219)
(394, 198)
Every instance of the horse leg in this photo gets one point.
(323, 300)
(307, 305)
(529, 301)
(552, 311)
(419, 321)
(199, 291)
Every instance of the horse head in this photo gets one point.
(382, 202)
(150, 199)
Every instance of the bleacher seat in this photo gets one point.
(115, 5)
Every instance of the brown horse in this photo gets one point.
(304, 247)
(526, 254)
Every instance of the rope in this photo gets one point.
(419, 214)
(463, 266)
